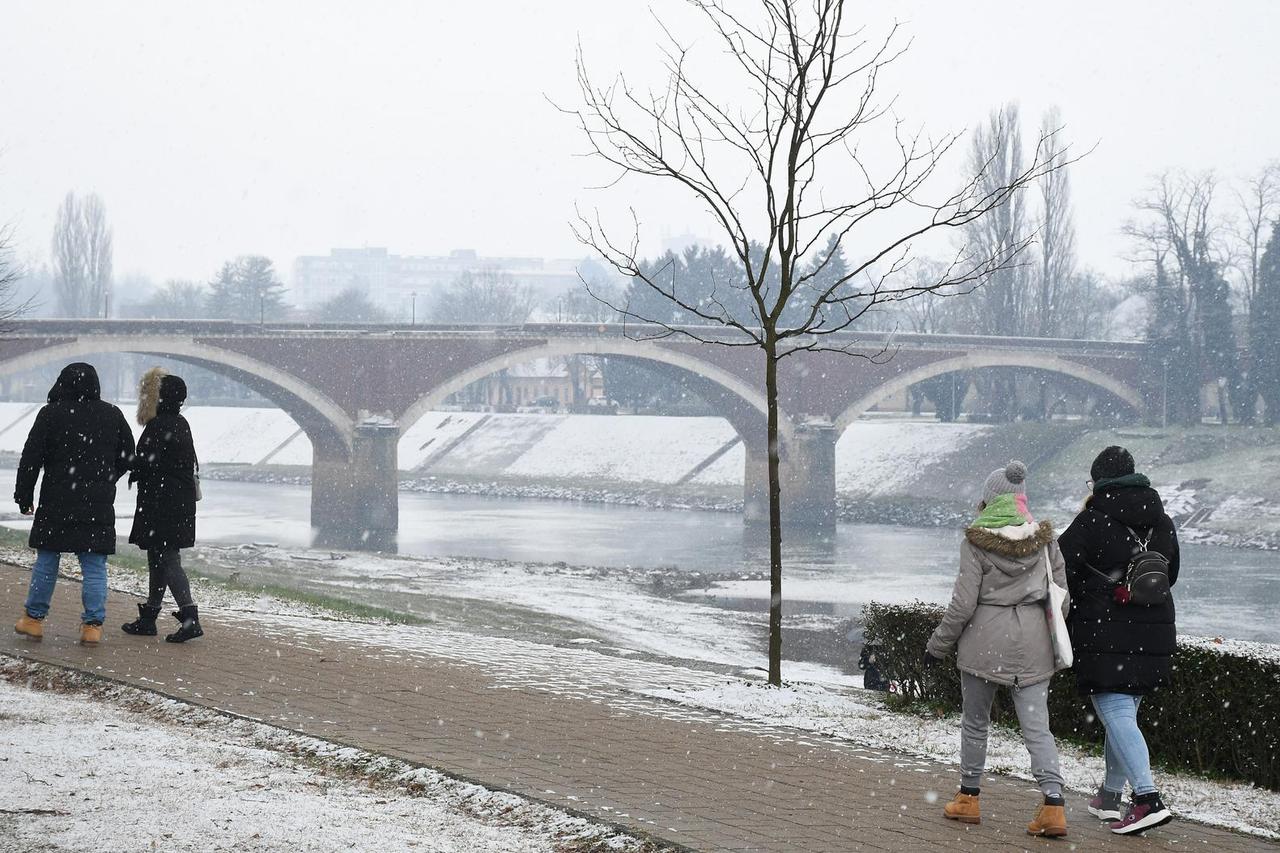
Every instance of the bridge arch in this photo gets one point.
(326, 424)
(978, 359)
(740, 401)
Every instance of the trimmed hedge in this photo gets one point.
(1220, 716)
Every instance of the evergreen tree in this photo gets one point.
(1264, 328)
(1172, 349)
(247, 290)
(1219, 351)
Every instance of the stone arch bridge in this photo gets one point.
(354, 389)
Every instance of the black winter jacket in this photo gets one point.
(84, 446)
(1118, 648)
(164, 470)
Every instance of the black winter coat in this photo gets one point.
(164, 469)
(1118, 648)
(84, 446)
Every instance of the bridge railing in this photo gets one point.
(231, 328)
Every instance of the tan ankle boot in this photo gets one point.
(964, 808)
(33, 628)
(1050, 821)
(90, 635)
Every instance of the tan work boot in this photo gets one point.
(964, 808)
(90, 635)
(29, 625)
(1050, 821)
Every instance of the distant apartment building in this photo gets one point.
(393, 280)
(567, 383)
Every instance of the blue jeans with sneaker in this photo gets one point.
(1126, 748)
(93, 592)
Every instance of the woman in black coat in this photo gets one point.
(164, 470)
(1123, 650)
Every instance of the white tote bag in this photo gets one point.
(1062, 656)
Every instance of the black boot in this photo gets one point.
(145, 624)
(189, 616)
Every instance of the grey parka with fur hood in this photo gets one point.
(996, 620)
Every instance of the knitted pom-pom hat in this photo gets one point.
(1009, 480)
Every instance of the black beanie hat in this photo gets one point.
(1113, 462)
(173, 391)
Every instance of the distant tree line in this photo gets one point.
(246, 289)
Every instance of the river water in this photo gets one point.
(1222, 591)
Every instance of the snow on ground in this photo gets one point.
(238, 436)
(629, 448)
(861, 717)
(727, 470)
(878, 458)
(433, 433)
(15, 423)
(116, 768)
(871, 457)
(610, 669)
(497, 444)
(612, 607)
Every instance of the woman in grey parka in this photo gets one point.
(997, 624)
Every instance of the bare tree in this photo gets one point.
(996, 154)
(12, 306)
(485, 296)
(352, 305)
(97, 254)
(771, 172)
(1185, 235)
(69, 273)
(1057, 235)
(82, 256)
(177, 300)
(1260, 205)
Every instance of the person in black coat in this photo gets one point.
(83, 445)
(1123, 650)
(165, 471)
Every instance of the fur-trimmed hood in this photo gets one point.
(1014, 541)
(149, 394)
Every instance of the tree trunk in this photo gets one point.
(775, 514)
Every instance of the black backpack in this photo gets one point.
(1145, 582)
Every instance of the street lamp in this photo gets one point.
(413, 308)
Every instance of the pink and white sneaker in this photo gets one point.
(1146, 812)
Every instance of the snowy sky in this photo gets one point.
(287, 128)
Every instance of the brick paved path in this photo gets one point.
(692, 778)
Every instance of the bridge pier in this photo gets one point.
(808, 469)
(355, 498)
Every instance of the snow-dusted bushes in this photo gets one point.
(1220, 716)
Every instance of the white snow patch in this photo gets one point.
(84, 773)
(630, 448)
(875, 458)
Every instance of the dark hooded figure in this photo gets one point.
(83, 445)
(1123, 650)
(164, 470)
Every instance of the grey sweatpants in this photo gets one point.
(1032, 706)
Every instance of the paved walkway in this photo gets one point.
(691, 778)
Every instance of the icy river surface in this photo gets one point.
(1222, 591)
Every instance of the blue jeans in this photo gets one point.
(93, 592)
(1126, 749)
